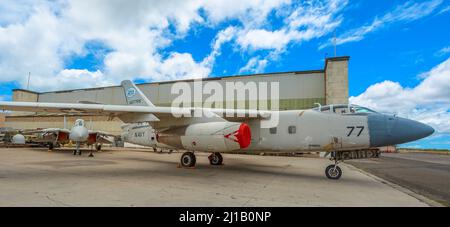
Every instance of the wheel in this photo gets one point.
(333, 172)
(50, 146)
(188, 159)
(215, 159)
(98, 147)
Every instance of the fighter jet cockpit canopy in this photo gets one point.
(79, 122)
(344, 109)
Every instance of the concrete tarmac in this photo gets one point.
(37, 177)
(426, 174)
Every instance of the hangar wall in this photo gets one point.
(298, 90)
(2, 120)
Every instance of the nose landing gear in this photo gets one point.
(334, 172)
(77, 151)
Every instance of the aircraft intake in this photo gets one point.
(209, 137)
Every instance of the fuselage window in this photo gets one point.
(292, 129)
(273, 130)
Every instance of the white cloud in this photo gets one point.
(182, 66)
(263, 39)
(304, 22)
(221, 38)
(254, 65)
(72, 79)
(251, 13)
(408, 12)
(443, 51)
(428, 102)
(307, 21)
(445, 10)
(42, 36)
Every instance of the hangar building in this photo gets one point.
(298, 90)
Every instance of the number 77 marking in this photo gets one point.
(352, 128)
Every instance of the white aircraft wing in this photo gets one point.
(117, 110)
(140, 109)
(75, 108)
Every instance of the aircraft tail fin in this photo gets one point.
(134, 96)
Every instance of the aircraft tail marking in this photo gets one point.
(134, 96)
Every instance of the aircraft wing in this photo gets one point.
(72, 108)
(133, 111)
(47, 130)
(101, 133)
(141, 109)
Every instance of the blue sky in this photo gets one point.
(397, 48)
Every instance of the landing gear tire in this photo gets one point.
(51, 146)
(333, 172)
(188, 159)
(98, 147)
(215, 159)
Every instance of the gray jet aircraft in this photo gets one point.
(78, 134)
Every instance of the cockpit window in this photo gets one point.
(359, 109)
(79, 123)
(344, 109)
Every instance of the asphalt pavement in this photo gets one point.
(425, 174)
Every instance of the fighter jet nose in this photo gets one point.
(78, 134)
(406, 130)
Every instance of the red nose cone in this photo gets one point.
(244, 136)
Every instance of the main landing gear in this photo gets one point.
(215, 159)
(98, 148)
(334, 172)
(188, 159)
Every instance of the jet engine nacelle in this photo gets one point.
(209, 137)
